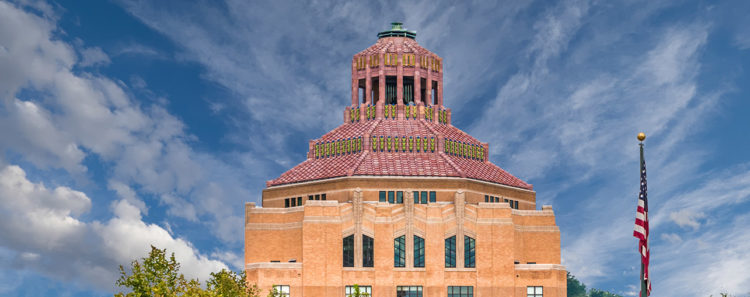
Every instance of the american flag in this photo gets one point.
(641, 228)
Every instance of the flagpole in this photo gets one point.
(644, 286)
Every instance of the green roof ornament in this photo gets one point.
(397, 30)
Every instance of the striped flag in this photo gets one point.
(641, 231)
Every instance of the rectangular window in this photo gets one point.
(409, 291)
(424, 197)
(390, 90)
(310, 197)
(416, 197)
(469, 250)
(323, 197)
(450, 252)
(511, 203)
(534, 292)
(349, 251)
(463, 291)
(349, 291)
(286, 202)
(433, 197)
(516, 204)
(418, 251)
(293, 202)
(391, 197)
(400, 197)
(486, 198)
(367, 251)
(281, 290)
(399, 251)
(299, 201)
(382, 196)
(317, 196)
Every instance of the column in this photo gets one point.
(355, 82)
(417, 85)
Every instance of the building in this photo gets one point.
(401, 202)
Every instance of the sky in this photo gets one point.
(125, 124)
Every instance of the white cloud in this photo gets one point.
(72, 114)
(93, 56)
(686, 217)
(43, 228)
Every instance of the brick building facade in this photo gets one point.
(401, 202)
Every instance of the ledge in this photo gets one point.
(408, 269)
(358, 269)
(274, 265)
(539, 267)
(458, 269)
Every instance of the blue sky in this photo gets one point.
(130, 123)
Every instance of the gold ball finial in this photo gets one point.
(641, 136)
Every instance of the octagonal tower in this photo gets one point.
(399, 201)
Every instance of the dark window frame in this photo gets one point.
(419, 252)
(368, 251)
(469, 252)
(348, 251)
(399, 251)
(450, 252)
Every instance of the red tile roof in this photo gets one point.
(369, 163)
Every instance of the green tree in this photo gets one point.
(358, 293)
(154, 276)
(600, 293)
(575, 287)
(227, 283)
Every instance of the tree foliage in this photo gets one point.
(578, 289)
(158, 276)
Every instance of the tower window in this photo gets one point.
(450, 252)
(382, 196)
(424, 197)
(399, 251)
(408, 90)
(367, 251)
(434, 93)
(293, 202)
(390, 90)
(416, 197)
(469, 249)
(286, 202)
(433, 197)
(349, 251)
(400, 197)
(299, 201)
(391, 197)
(418, 251)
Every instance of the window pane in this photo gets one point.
(433, 197)
(349, 251)
(391, 197)
(286, 202)
(486, 198)
(400, 197)
(530, 290)
(418, 251)
(416, 197)
(469, 252)
(539, 290)
(293, 202)
(450, 252)
(516, 204)
(299, 201)
(424, 197)
(323, 197)
(367, 251)
(399, 251)
(382, 196)
(317, 196)
(310, 197)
